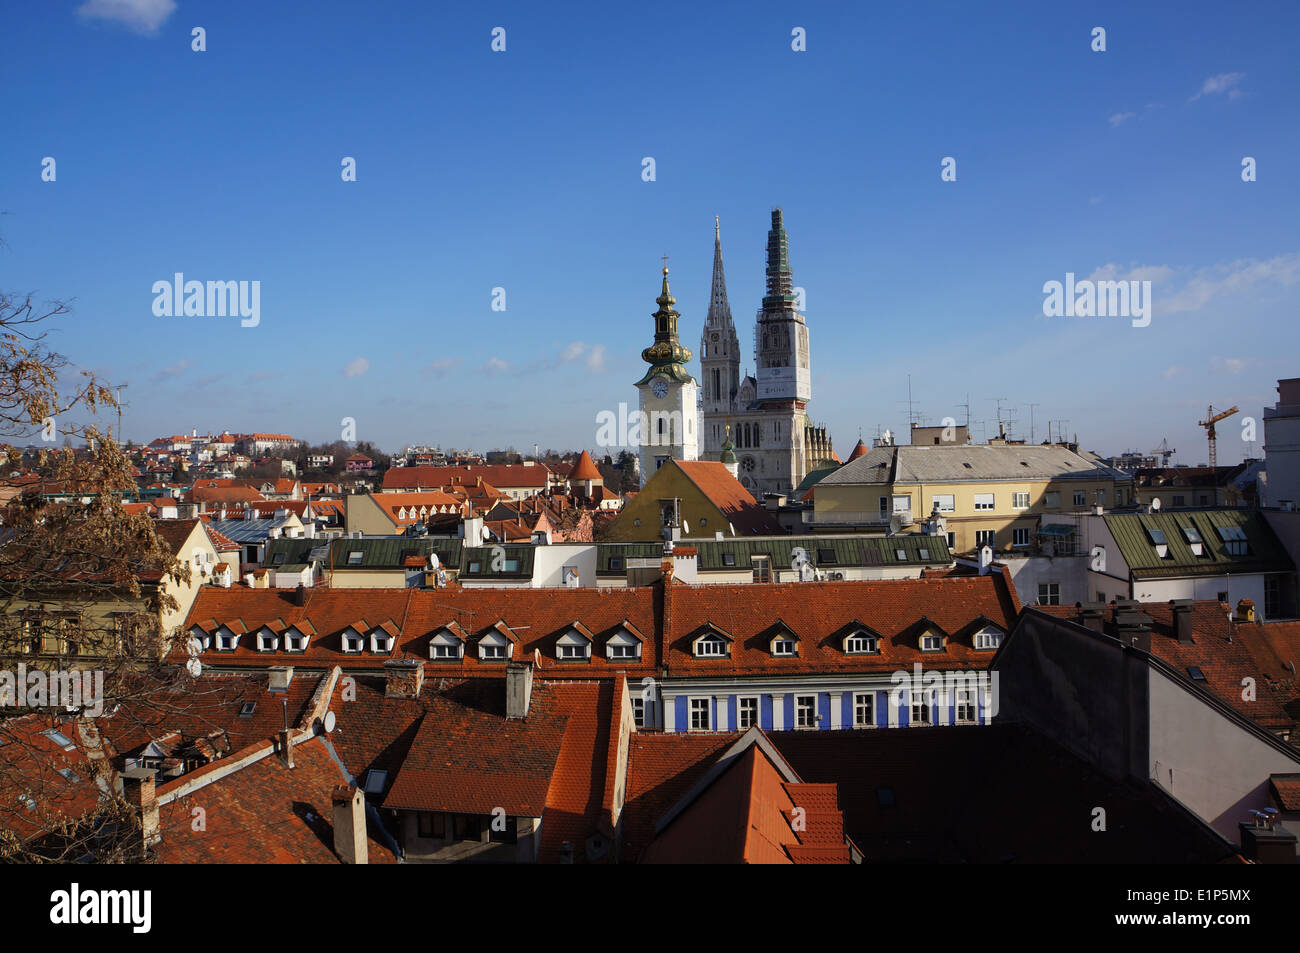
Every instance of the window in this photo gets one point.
(952, 540)
(1272, 597)
(728, 559)
(746, 712)
(762, 568)
(919, 707)
(1049, 593)
(1100, 498)
(433, 825)
(827, 557)
(884, 506)
(805, 711)
(985, 536)
(902, 504)
(1020, 536)
(864, 715)
(278, 559)
(508, 835)
(700, 720)
(983, 501)
(860, 643)
(1052, 499)
(571, 652)
(352, 641)
(246, 709)
(900, 555)
(491, 652)
(965, 705)
(924, 553)
(1234, 540)
(267, 641)
(931, 643)
(1020, 501)
(381, 643)
(294, 641)
(616, 562)
(710, 646)
(1080, 498)
(638, 712)
(623, 650)
(945, 502)
(988, 639)
(376, 779)
(783, 647)
(355, 557)
(442, 651)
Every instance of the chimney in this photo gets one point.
(403, 678)
(1182, 612)
(1091, 615)
(279, 677)
(300, 595)
(283, 738)
(1246, 610)
(1130, 626)
(138, 791)
(519, 689)
(1264, 841)
(350, 825)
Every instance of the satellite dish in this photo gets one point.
(433, 561)
(194, 667)
(194, 646)
(329, 721)
(686, 527)
(1155, 504)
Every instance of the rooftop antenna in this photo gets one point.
(967, 408)
(998, 401)
(1031, 421)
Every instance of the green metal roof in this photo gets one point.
(1264, 552)
(814, 477)
(1058, 529)
(824, 552)
(479, 560)
(623, 552)
(381, 552)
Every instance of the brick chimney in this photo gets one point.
(403, 678)
(1246, 610)
(350, 825)
(1182, 613)
(300, 595)
(138, 790)
(284, 745)
(519, 689)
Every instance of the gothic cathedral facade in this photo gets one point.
(776, 444)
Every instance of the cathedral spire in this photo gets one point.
(780, 279)
(719, 310)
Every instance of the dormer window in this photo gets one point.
(353, 641)
(381, 641)
(988, 638)
(1158, 540)
(861, 643)
(1194, 541)
(573, 646)
(1234, 540)
(623, 646)
(267, 641)
(202, 638)
(710, 645)
(295, 641)
(227, 641)
(446, 646)
(931, 642)
(783, 647)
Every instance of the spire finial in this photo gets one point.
(717, 230)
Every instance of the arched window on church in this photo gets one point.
(758, 440)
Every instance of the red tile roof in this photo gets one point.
(585, 469)
(715, 481)
(536, 476)
(264, 813)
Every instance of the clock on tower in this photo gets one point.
(668, 394)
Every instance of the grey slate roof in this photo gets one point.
(970, 463)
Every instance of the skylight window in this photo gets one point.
(728, 559)
(355, 557)
(59, 738)
(616, 562)
(925, 554)
(1195, 672)
(901, 554)
(827, 557)
(1191, 535)
(279, 559)
(1157, 537)
(376, 780)
(246, 709)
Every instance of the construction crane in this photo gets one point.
(1163, 452)
(1211, 418)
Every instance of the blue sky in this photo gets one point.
(522, 169)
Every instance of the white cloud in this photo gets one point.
(1233, 365)
(1209, 283)
(572, 352)
(356, 368)
(441, 366)
(174, 370)
(1221, 83)
(1113, 272)
(495, 365)
(142, 16)
(596, 359)
(1171, 372)
(1119, 118)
